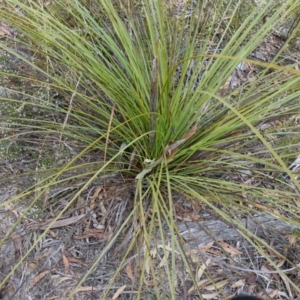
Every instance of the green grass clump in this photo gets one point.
(143, 101)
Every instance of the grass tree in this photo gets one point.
(140, 100)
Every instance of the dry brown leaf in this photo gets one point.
(238, 283)
(265, 295)
(60, 223)
(199, 285)
(17, 239)
(32, 265)
(71, 248)
(251, 278)
(217, 285)
(95, 196)
(4, 30)
(292, 239)
(267, 268)
(66, 264)
(97, 192)
(81, 237)
(264, 208)
(81, 204)
(191, 217)
(215, 252)
(169, 150)
(90, 232)
(209, 296)
(44, 255)
(191, 132)
(226, 86)
(96, 233)
(118, 292)
(37, 278)
(52, 233)
(185, 218)
(230, 249)
(202, 269)
(206, 247)
(273, 293)
(280, 263)
(59, 278)
(76, 260)
(129, 272)
(86, 289)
